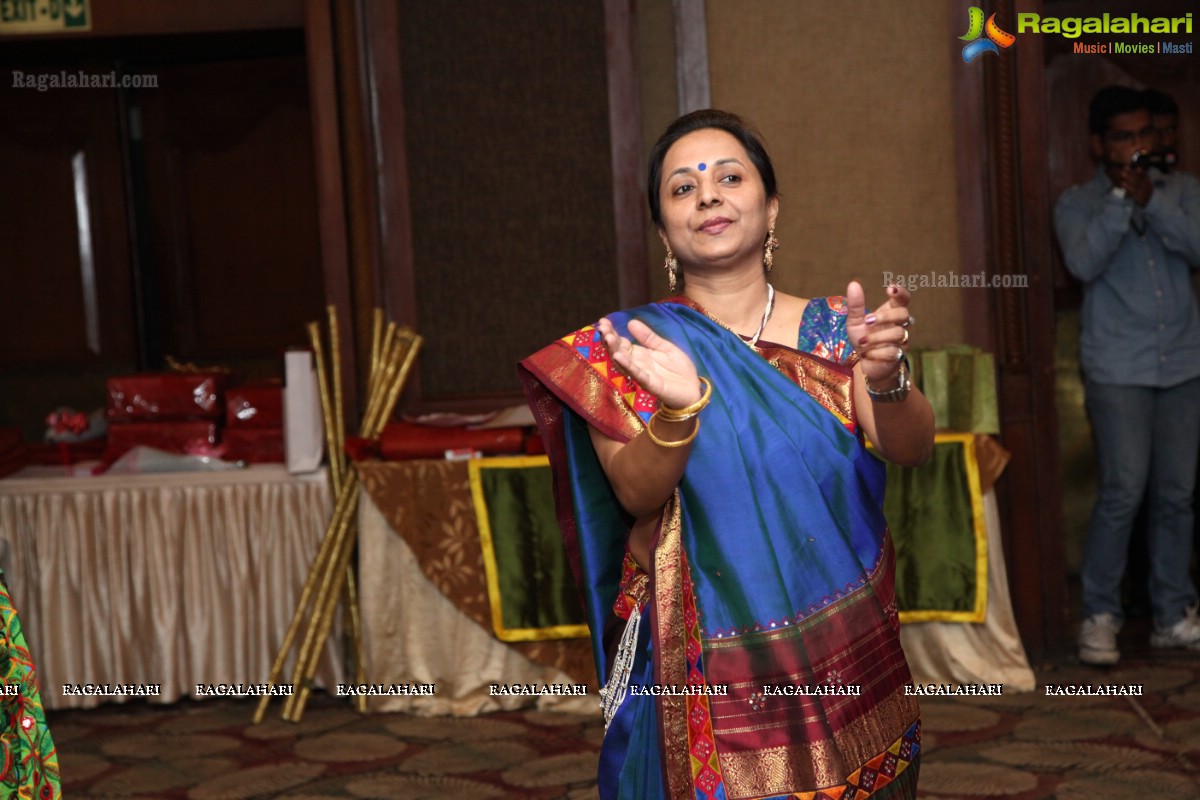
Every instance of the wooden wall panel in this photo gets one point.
(56, 302)
(232, 207)
(510, 183)
(1018, 243)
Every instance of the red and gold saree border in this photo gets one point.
(852, 642)
(879, 772)
(690, 759)
(592, 385)
(830, 384)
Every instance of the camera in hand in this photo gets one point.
(1159, 159)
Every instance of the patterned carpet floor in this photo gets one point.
(1017, 746)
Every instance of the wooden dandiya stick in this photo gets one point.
(343, 548)
(400, 360)
(337, 456)
(339, 535)
(338, 453)
(394, 373)
(326, 604)
(376, 343)
(331, 575)
(326, 554)
(360, 656)
(380, 375)
(314, 338)
(310, 584)
(387, 373)
(310, 647)
(410, 356)
(352, 618)
(360, 653)
(324, 551)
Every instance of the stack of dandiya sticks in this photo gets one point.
(331, 576)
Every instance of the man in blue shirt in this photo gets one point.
(1131, 235)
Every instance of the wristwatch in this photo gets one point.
(893, 395)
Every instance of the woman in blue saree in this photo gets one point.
(721, 510)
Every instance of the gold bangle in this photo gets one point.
(681, 414)
(663, 442)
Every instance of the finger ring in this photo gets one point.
(910, 321)
(899, 353)
(904, 341)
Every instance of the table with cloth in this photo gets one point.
(172, 579)
(464, 583)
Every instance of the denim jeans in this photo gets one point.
(1147, 442)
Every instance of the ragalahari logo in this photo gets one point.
(996, 38)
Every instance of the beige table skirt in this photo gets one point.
(414, 634)
(171, 579)
(417, 631)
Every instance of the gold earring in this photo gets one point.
(769, 248)
(672, 268)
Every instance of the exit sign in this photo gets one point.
(44, 16)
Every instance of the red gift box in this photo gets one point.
(14, 454)
(174, 437)
(403, 440)
(54, 453)
(254, 405)
(165, 396)
(253, 445)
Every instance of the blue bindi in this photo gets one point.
(703, 166)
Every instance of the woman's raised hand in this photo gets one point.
(659, 367)
(879, 337)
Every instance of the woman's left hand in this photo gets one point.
(880, 337)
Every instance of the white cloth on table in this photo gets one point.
(172, 579)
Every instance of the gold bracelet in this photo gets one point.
(663, 442)
(681, 414)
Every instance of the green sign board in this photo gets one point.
(44, 16)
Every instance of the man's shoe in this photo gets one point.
(1185, 633)
(1098, 640)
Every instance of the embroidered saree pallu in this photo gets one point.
(760, 656)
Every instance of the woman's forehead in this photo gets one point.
(706, 146)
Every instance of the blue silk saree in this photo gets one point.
(759, 657)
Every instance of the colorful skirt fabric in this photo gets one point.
(30, 761)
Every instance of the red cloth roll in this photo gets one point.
(403, 440)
